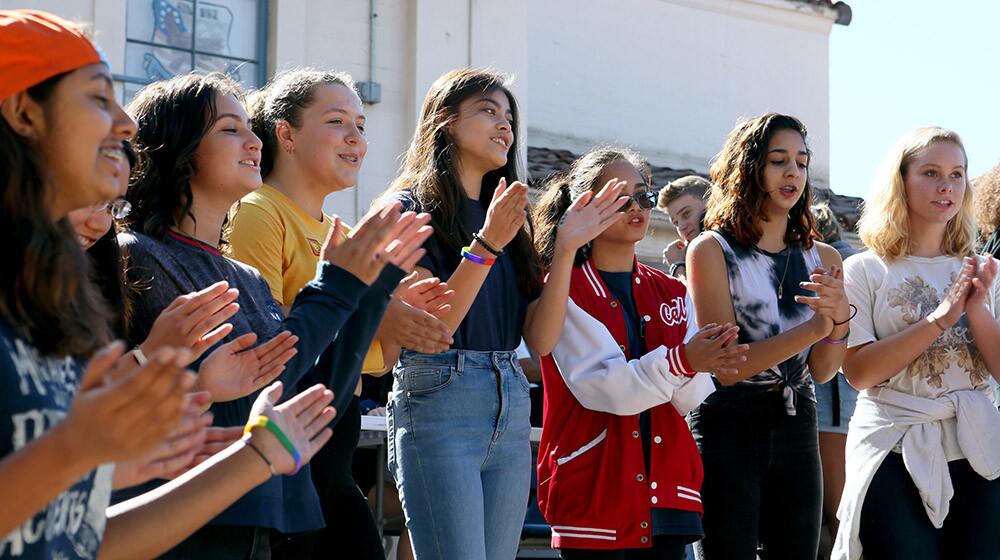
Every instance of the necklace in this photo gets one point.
(781, 283)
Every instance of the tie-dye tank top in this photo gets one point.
(754, 279)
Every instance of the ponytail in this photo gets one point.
(563, 189)
(554, 202)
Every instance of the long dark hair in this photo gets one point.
(109, 269)
(173, 117)
(736, 203)
(429, 173)
(46, 293)
(562, 189)
(283, 99)
(108, 274)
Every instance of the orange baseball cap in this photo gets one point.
(36, 45)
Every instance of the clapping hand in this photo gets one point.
(589, 216)
(303, 419)
(237, 369)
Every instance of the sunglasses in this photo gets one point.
(645, 200)
(119, 208)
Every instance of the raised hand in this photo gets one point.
(175, 454)
(506, 214)
(830, 300)
(982, 282)
(122, 410)
(194, 321)
(950, 310)
(432, 295)
(361, 252)
(714, 349)
(407, 237)
(675, 252)
(409, 327)
(303, 419)
(589, 216)
(237, 369)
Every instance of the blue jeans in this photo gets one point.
(460, 453)
(835, 402)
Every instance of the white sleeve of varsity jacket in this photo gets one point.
(688, 396)
(597, 373)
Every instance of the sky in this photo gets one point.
(902, 64)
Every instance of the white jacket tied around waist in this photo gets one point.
(884, 418)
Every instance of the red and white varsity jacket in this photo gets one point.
(593, 488)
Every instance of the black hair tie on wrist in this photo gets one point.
(486, 245)
(848, 320)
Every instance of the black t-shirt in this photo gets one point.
(665, 521)
(35, 394)
(496, 318)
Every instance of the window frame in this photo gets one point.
(261, 60)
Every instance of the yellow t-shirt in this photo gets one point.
(273, 234)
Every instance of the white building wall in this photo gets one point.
(669, 77)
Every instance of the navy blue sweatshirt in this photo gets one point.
(163, 269)
(35, 394)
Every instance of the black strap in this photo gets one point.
(836, 399)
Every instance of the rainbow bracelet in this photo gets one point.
(266, 423)
(467, 253)
(829, 340)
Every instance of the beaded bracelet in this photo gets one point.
(478, 237)
(266, 423)
(829, 340)
(467, 253)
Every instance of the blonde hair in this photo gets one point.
(885, 222)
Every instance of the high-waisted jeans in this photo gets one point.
(460, 453)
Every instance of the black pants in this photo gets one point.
(665, 547)
(350, 529)
(895, 525)
(223, 542)
(763, 478)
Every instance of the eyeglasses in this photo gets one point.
(119, 208)
(645, 200)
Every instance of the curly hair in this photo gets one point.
(736, 202)
(173, 117)
(987, 201)
(283, 99)
(885, 224)
(562, 189)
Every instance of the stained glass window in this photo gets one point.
(169, 37)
